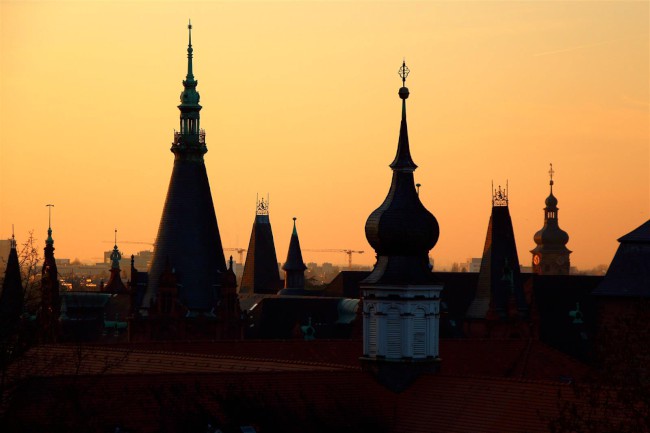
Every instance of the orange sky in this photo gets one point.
(300, 101)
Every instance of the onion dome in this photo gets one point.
(551, 236)
(402, 228)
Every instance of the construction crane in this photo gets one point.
(129, 242)
(241, 252)
(348, 252)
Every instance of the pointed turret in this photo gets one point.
(50, 298)
(294, 268)
(115, 284)
(188, 235)
(11, 300)
(261, 274)
(551, 256)
(499, 282)
(400, 296)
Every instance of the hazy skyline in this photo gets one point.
(300, 102)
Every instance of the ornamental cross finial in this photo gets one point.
(404, 72)
(551, 172)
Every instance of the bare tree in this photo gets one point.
(29, 260)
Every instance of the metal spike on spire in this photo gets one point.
(49, 239)
(551, 172)
(190, 50)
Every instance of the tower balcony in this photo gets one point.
(181, 137)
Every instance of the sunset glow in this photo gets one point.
(300, 102)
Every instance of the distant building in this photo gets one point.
(551, 256)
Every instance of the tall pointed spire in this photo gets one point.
(400, 338)
(190, 50)
(50, 299)
(402, 226)
(188, 235)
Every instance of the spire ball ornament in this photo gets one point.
(403, 73)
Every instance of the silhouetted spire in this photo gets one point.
(551, 256)
(115, 284)
(294, 267)
(188, 234)
(190, 50)
(11, 301)
(261, 274)
(402, 230)
(50, 299)
(403, 160)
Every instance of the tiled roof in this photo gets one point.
(345, 401)
(61, 360)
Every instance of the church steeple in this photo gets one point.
(50, 299)
(551, 256)
(115, 284)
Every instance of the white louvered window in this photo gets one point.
(419, 334)
(372, 333)
(394, 337)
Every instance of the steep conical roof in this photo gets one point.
(402, 230)
(261, 273)
(294, 260)
(11, 300)
(188, 235)
(499, 276)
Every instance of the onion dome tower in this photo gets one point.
(188, 235)
(115, 284)
(401, 297)
(50, 309)
(551, 256)
(499, 293)
(11, 300)
(294, 268)
(261, 274)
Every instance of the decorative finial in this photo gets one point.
(404, 72)
(418, 185)
(115, 237)
(262, 207)
(403, 91)
(13, 238)
(49, 239)
(294, 226)
(500, 196)
(551, 172)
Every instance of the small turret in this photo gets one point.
(551, 256)
(294, 268)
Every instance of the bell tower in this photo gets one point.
(551, 256)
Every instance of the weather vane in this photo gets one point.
(404, 72)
